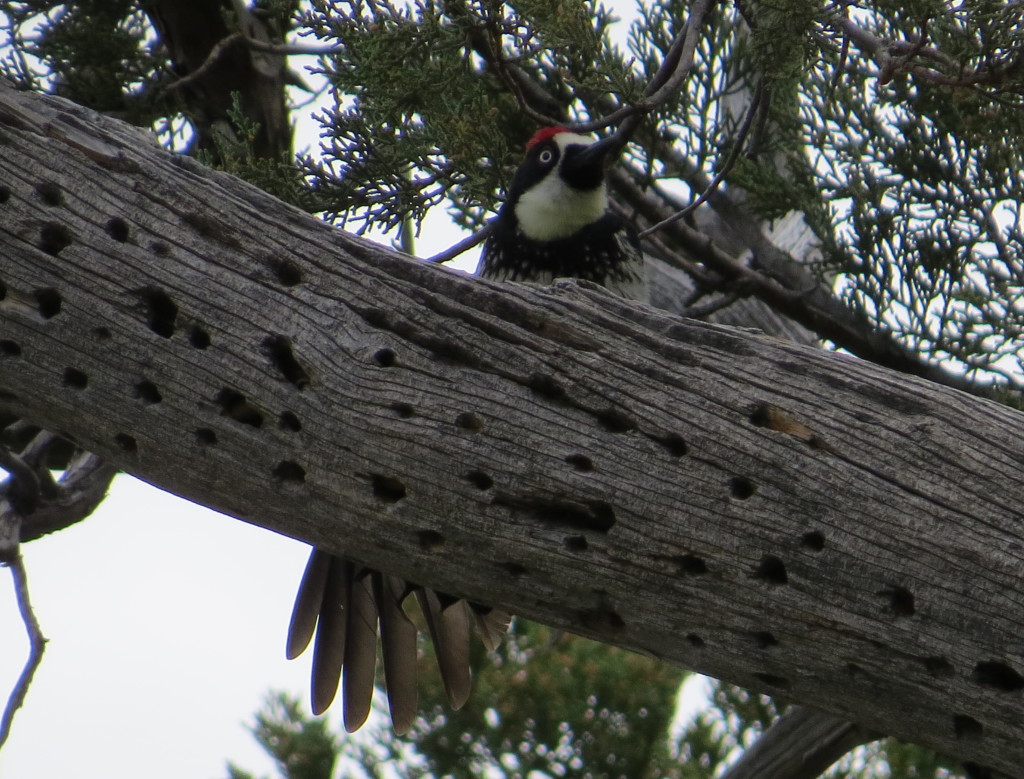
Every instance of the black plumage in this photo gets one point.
(576, 236)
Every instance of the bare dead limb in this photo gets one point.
(37, 644)
(741, 137)
(34, 504)
(82, 487)
(894, 57)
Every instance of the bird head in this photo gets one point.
(560, 186)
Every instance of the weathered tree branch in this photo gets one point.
(797, 522)
(801, 745)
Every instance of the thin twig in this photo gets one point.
(628, 117)
(228, 41)
(723, 171)
(485, 39)
(711, 307)
(37, 644)
(462, 246)
(285, 49)
(211, 59)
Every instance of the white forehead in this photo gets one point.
(565, 140)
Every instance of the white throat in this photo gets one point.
(552, 209)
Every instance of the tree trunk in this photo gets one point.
(794, 521)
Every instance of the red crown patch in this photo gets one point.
(543, 134)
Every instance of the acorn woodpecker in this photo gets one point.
(555, 223)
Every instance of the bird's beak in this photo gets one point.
(594, 157)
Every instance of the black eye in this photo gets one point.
(546, 156)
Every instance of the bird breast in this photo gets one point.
(552, 209)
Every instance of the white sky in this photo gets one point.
(166, 625)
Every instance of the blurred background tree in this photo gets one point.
(557, 706)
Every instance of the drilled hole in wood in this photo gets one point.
(603, 620)
(901, 600)
(741, 487)
(75, 378)
(580, 462)
(101, 333)
(403, 410)
(208, 227)
(967, 728)
(813, 540)
(546, 386)
(54, 238)
(772, 570)
(384, 358)
(10, 349)
(387, 489)
(430, 540)
(126, 442)
(198, 337)
(289, 472)
(205, 436)
(772, 680)
(451, 352)
(764, 639)
(233, 404)
(695, 640)
(470, 422)
(160, 249)
(5, 194)
(761, 415)
(480, 480)
(49, 302)
(147, 392)
(939, 667)
(514, 569)
(673, 443)
(289, 421)
(992, 673)
(117, 229)
(279, 349)
(3, 290)
(575, 543)
(50, 193)
(594, 515)
(287, 272)
(161, 311)
(615, 421)
(690, 565)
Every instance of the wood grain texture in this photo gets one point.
(796, 522)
